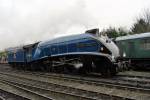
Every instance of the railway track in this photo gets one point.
(5, 95)
(89, 82)
(136, 74)
(120, 82)
(60, 90)
(46, 94)
(138, 81)
(128, 83)
(136, 77)
(19, 93)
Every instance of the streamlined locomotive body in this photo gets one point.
(83, 53)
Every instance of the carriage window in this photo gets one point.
(146, 44)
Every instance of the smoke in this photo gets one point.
(28, 21)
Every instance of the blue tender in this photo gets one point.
(16, 55)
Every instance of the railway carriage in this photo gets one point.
(135, 49)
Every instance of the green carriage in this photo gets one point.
(135, 49)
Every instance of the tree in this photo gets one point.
(115, 32)
(111, 32)
(142, 24)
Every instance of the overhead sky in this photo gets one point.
(28, 21)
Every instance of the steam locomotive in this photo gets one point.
(83, 53)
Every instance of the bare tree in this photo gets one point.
(142, 23)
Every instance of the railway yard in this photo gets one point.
(74, 50)
(26, 85)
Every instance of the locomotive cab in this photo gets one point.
(107, 63)
(108, 46)
(29, 51)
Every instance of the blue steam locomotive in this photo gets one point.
(83, 53)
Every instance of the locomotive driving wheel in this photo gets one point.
(86, 64)
(105, 67)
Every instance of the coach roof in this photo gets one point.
(135, 36)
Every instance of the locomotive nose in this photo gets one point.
(114, 50)
(111, 46)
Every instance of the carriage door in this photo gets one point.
(131, 49)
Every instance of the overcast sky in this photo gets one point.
(28, 21)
